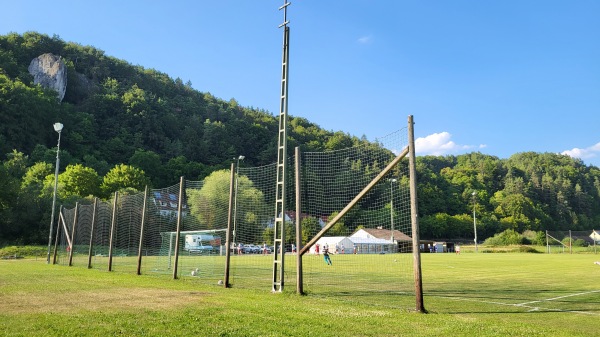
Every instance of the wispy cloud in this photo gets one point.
(439, 144)
(364, 39)
(586, 153)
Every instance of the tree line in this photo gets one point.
(127, 127)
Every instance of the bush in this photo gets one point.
(23, 251)
(534, 238)
(506, 238)
(528, 249)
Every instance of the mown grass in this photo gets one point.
(512, 294)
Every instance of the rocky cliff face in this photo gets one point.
(50, 71)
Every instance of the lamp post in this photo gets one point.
(237, 170)
(58, 128)
(474, 194)
(392, 181)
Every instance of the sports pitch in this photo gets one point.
(500, 294)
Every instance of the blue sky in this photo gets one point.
(499, 77)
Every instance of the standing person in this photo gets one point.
(239, 248)
(342, 249)
(354, 249)
(457, 249)
(317, 249)
(264, 248)
(326, 255)
(293, 248)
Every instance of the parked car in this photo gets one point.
(201, 249)
(251, 249)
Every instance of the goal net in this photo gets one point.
(370, 247)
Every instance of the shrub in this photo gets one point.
(506, 238)
(528, 249)
(534, 238)
(21, 251)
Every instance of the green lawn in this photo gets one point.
(501, 294)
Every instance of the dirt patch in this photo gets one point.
(117, 299)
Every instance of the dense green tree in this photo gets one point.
(36, 175)
(150, 163)
(77, 180)
(122, 177)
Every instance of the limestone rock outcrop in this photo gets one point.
(50, 71)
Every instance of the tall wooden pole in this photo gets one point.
(229, 228)
(178, 230)
(94, 216)
(299, 277)
(414, 217)
(72, 244)
(113, 225)
(141, 245)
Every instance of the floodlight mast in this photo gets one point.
(58, 128)
(280, 203)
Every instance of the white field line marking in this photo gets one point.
(533, 308)
(559, 297)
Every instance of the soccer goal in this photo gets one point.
(554, 245)
(197, 253)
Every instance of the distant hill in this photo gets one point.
(114, 112)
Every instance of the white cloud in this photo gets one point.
(587, 153)
(439, 144)
(364, 39)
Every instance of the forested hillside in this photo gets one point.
(122, 120)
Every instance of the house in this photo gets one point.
(167, 203)
(379, 233)
(595, 236)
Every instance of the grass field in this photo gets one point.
(485, 294)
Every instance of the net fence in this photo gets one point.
(370, 247)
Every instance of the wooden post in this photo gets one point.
(57, 236)
(72, 244)
(229, 225)
(179, 217)
(91, 250)
(299, 278)
(112, 231)
(141, 246)
(414, 217)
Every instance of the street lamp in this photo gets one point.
(392, 181)
(474, 194)
(237, 170)
(58, 128)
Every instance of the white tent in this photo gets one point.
(334, 242)
(350, 245)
